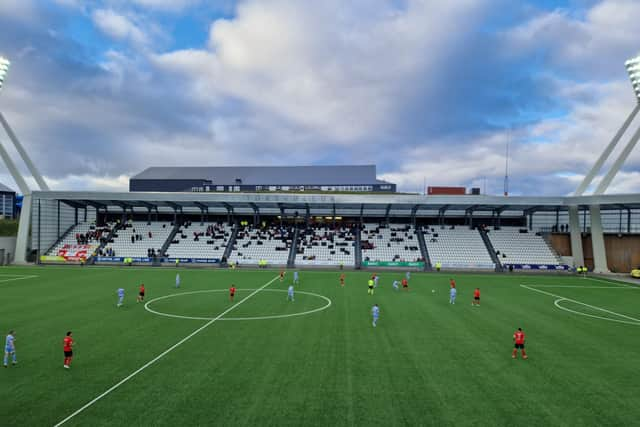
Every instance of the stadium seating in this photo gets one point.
(390, 243)
(83, 234)
(269, 243)
(457, 247)
(326, 246)
(516, 247)
(200, 241)
(123, 246)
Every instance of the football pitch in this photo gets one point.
(190, 356)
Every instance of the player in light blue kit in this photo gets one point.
(296, 278)
(452, 295)
(10, 349)
(396, 285)
(376, 278)
(120, 296)
(408, 275)
(375, 312)
(178, 280)
(290, 293)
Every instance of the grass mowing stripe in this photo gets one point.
(581, 303)
(164, 353)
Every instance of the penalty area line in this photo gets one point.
(164, 353)
(581, 303)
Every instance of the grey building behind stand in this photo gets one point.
(229, 179)
(7, 202)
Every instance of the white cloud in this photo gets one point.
(168, 5)
(340, 69)
(118, 26)
(550, 156)
(287, 82)
(588, 46)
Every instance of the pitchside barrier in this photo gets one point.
(392, 264)
(537, 267)
(107, 259)
(169, 260)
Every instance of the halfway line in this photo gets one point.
(164, 353)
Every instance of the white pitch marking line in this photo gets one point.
(585, 287)
(17, 278)
(17, 275)
(557, 304)
(164, 353)
(275, 316)
(612, 282)
(581, 303)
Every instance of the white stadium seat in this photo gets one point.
(211, 241)
(515, 247)
(123, 247)
(458, 247)
(326, 246)
(254, 244)
(395, 242)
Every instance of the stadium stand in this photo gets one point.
(138, 238)
(270, 243)
(515, 245)
(85, 235)
(390, 243)
(320, 245)
(457, 247)
(200, 241)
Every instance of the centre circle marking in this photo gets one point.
(275, 316)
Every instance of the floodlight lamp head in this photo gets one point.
(4, 68)
(633, 69)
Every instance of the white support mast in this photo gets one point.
(597, 235)
(22, 241)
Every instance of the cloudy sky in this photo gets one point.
(427, 90)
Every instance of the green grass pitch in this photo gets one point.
(426, 363)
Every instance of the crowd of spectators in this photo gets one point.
(94, 234)
(249, 235)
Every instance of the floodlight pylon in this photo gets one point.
(633, 70)
(599, 251)
(22, 239)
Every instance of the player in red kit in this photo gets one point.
(518, 338)
(405, 284)
(342, 280)
(452, 283)
(476, 297)
(232, 292)
(141, 293)
(67, 345)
